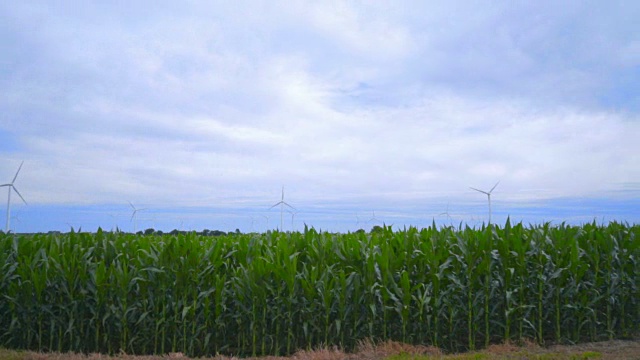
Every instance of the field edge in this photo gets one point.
(390, 350)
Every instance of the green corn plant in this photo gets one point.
(274, 293)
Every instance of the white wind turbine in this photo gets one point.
(374, 219)
(293, 216)
(446, 213)
(282, 203)
(133, 216)
(16, 219)
(12, 187)
(114, 225)
(253, 222)
(488, 196)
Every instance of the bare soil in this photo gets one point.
(606, 350)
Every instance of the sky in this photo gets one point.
(200, 113)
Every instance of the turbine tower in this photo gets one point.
(488, 196)
(12, 187)
(282, 203)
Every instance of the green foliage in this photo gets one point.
(274, 293)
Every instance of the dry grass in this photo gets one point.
(506, 348)
(368, 350)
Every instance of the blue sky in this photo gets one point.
(200, 112)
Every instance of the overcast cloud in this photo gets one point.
(396, 107)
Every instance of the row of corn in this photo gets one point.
(274, 293)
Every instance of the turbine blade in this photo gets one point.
(276, 205)
(484, 192)
(17, 192)
(134, 214)
(20, 167)
(494, 186)
(133, 207)
(5, 185)
(289, 205)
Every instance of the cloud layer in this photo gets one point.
(221, 104)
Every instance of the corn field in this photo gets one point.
(256, 294)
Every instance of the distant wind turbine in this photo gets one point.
(488, 196)
(133, 216)
(446, 213)
(114, 225)
(293, 215)
(282, 203)
(16, 219)
(253, 221)
(374, 218)
(12, 187)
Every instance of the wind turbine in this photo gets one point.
(266, 218)
(253, 222)
(282, 203)
(16, 219)
(488, 196)
(446, 213)
(133, 216)
(12, 187)
(374, 218)
(293, 215)
(114, 219)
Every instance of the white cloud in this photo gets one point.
(365, 29)
(442, 145)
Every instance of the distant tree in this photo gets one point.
(377, 229)
(149, 231)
